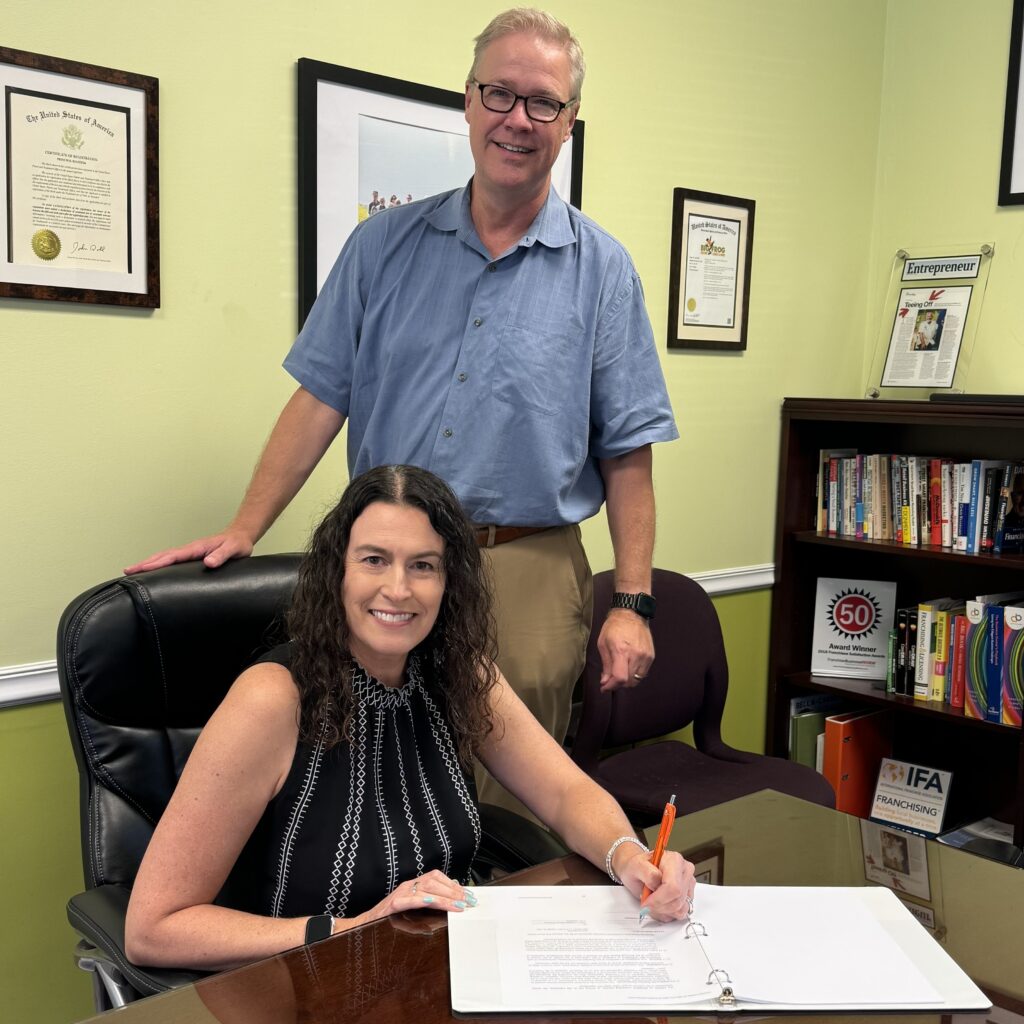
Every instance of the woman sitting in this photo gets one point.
(335, 776)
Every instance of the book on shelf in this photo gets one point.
(932, 647)
(941, 678)
(902, 638)
(826, 481)
(1008, 537)
(979, 476)
(1013, 665)
(990, 503)
(935, 502)
(803, 713)
(963, 504)
(983, 685)
(946, 502)
(958, 660)
(855, 743)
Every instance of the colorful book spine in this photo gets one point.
(976, 655)
(986, 539)
(937, 691)
(958, 668)
(935, 502)
(1013, 666)
(858, 497)
(946, 498)
(925, 652)
(902, 633)
(994, 619)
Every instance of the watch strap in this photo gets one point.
(641, 603)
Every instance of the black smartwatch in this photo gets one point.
(642, 604)
(319, 927)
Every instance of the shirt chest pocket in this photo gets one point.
(541, 369)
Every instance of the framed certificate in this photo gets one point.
(367, 142)
(1011, 170)
(78, 148)
(709, 274)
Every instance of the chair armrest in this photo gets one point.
(511, 842)
(98, 916)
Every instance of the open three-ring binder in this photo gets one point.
(579, 949)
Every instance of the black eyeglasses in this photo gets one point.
(502, 100)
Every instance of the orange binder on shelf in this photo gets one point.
(855, 743)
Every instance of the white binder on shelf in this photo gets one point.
(581, 948)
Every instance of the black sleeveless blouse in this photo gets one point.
(352, 822)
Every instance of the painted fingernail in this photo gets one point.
(644, 911)
(428, 899)
(461, 904)
(471, 898)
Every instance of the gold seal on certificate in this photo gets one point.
(46, 244)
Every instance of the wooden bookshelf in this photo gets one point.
(987, 759)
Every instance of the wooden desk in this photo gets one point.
(395, 971)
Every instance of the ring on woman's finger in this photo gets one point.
(689, 903)
(414, 884)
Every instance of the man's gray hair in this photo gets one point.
(530, 21)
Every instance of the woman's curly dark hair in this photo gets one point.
(458, 653)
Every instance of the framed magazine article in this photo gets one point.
(1011, 171)
(709, 272)
(367, 142)
(79, 216)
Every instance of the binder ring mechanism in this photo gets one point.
(691, 930)
(727, 998)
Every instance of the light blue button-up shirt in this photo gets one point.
(509, 378)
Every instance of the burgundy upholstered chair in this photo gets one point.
(688, 682)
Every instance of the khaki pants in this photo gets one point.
(543, 602)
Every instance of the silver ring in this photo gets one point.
(414, 884)
(636, 675)
(689, 903)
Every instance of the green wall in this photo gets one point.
(126, 431)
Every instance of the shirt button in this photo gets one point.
(462, 377)
(447, 432)
(477, 322)
(491, 268)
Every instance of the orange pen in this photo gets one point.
(668, 819)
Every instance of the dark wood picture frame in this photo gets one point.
(1011, 192)
(708, 861)
(142, 194)
(311, 132)
(731, 338)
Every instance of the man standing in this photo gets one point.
(499, 338)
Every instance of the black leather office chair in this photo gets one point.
(688, 683)
(143, 662)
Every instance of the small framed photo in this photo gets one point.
(79, 214)
(368, 142)
(1011, 171)
(709, 273)
(708, 862)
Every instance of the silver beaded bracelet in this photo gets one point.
(611, 852)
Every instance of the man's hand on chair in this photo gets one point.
(214, 551)
(626, 647)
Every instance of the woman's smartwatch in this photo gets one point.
(321, 926)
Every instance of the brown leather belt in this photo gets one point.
(489, 536)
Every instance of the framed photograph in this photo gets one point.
(79, 220)
(1011, 171)
(708, 862)
(709, 276)
(367, 142)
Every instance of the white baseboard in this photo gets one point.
(29, 684)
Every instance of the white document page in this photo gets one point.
(581, 948)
